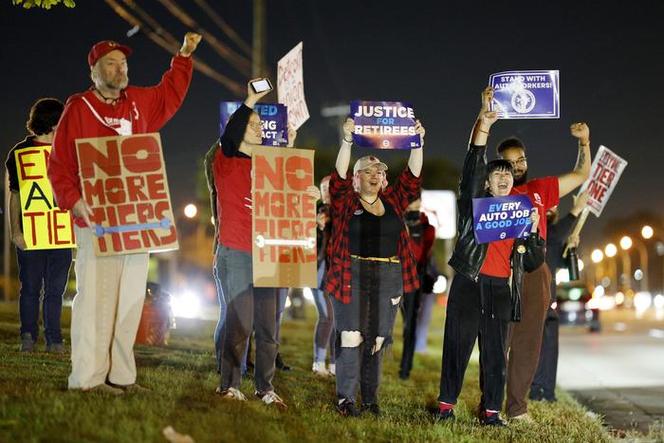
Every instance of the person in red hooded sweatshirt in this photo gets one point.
(110, 290)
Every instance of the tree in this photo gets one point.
(44, 4)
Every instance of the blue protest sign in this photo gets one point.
(498, 218)
(274, 121)
(384, 125)
(526, 94)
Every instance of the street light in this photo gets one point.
(597, 256)
(625, 243)
(610, 250)
(647, 232)
(190, 210)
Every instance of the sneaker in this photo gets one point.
(371, 408)
(332, 368)
(347, 408)
(318, 368)
(55, 348)
(27, 343)
(445, 415)
(230, 393)
(491, 419)
(279, 364)
(271, 398)
(524, 418)
(104, 389)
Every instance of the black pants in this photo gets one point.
(376, 292)
(476, 310)
(544, 383)
(410, 308)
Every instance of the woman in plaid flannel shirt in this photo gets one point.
(371, 265)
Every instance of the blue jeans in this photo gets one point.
(247, 309)
(222, 308)
(48, 269)
(324, 335)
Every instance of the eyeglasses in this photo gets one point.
(518, 162)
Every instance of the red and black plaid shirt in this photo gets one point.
(345, 202)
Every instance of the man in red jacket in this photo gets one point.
(110, 290)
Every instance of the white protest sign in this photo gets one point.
(440, 208)
(604, 174)
(290, 86)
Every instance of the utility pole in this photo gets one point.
(258, 49)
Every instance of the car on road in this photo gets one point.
(573, 308)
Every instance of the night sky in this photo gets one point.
(437, 55)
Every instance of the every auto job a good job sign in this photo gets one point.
(123, 179)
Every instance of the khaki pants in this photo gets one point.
(105, 314)
(525, 339)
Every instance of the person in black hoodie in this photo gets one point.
(36, 268)
(544, 383)
(485, 293)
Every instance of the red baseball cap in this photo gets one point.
(104, 47)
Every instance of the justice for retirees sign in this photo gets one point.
(526, 94)
(499, 218)
(284, 218)
(45, 226)
(604, 175)
(123, 179)
(384, 125)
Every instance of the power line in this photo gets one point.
(166, 41)
(241, 63)
(225, 27)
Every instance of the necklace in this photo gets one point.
(106, 99)
(369, 203)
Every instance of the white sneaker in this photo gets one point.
(523, 418)
(319, 369)
(231, 394)
(332, 369)
(271, 398)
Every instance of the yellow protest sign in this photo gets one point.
(45, 226)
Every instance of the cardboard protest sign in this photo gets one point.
(384, 125)
(123, 179)
(498, 218)
(604, 175)
(290, 86)
(284, 218)
(274, 121)
(45, 226)
(526, 94)
(440, 208)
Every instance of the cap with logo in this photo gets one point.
(368, 161)
(102, 48)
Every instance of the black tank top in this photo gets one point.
(374, 236)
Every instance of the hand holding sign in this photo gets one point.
(487, 97)
(292, 135)
(580, 201)
(581, 131)
(349, 129)
(419, 130)
(191, 41)
(82, 209)
(534, 219)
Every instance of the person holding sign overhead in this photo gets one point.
(36, 268)
(484, 295)
(525, 337)
(110, 289)
(243, 307)
(371, 265)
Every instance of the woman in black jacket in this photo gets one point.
(484, 296)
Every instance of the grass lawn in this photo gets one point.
(35, 405)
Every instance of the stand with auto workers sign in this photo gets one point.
(284, 218)
(123, 179)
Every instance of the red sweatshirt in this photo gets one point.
(140, 110)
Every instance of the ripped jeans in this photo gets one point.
(364, 327)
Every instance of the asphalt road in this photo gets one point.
(619, 372)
